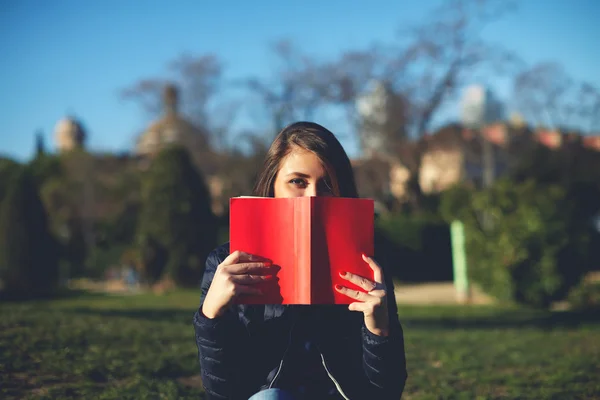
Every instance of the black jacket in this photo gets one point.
(243, 351)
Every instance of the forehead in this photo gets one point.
(303, 161)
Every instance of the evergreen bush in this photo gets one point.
(29, 254)
(176, 218)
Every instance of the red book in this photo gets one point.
(312, 239)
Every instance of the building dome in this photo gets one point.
(171, 128)
(148, 142)
(69, 134)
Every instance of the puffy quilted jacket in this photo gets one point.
(244, 350)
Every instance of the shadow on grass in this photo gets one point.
(504, 320)
(59, 295)
(508, 320)
(163, 314)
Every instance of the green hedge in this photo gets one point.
(417, 248)
(524, 243)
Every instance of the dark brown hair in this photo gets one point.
(318, 140)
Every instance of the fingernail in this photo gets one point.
(365, 256)
(338, 287)
(342, 273)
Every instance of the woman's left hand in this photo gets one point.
(372, 304)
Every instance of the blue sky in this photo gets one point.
(68, 56)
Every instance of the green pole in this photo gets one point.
(459, 261)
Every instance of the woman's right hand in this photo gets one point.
(235, 276)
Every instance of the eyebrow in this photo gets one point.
(300, 174)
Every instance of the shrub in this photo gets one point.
(176, 219)
(28, 252)
(8, 168)
(114, 238)
(585, 296)
(102, 258)
(523, 243)
(417, 247)
(153, 258)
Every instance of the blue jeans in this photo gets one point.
(273, 394)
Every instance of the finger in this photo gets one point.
(243, 290)
(251, 279)
(358, 306)
(379, 293)
(354, 294)
(368, 307)
(359, 281)
(251, 269)
(232, 258)
(240, 256)
(377, 272)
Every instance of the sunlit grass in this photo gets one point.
(142, 346)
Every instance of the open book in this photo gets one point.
(312, 239)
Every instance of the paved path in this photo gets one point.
(423, 293)
(434, 293)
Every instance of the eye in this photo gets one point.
(298, 182)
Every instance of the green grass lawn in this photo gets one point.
(142, 346)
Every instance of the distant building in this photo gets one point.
(454, 154)
(372, 108)
(399, 176)
(381, 111)
(552, 139)
(480, 107)
(69, 134)
(442, 164)
(516, 120)
(591, 142)
(497, 133)
(171, 128)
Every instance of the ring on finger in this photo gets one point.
(377, 286)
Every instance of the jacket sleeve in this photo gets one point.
(384, 360)
(221, 346)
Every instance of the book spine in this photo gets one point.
(302, 244)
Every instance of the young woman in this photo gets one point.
(298, 352)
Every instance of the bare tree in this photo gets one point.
(547, 95)
(148, 94)
(440, 56)
(295, 88)
(199, 79)
(541, 93)
(589, 106)
(430, 62)
(433, 61)
(349, 76)
(221, 122)
(423, 70)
